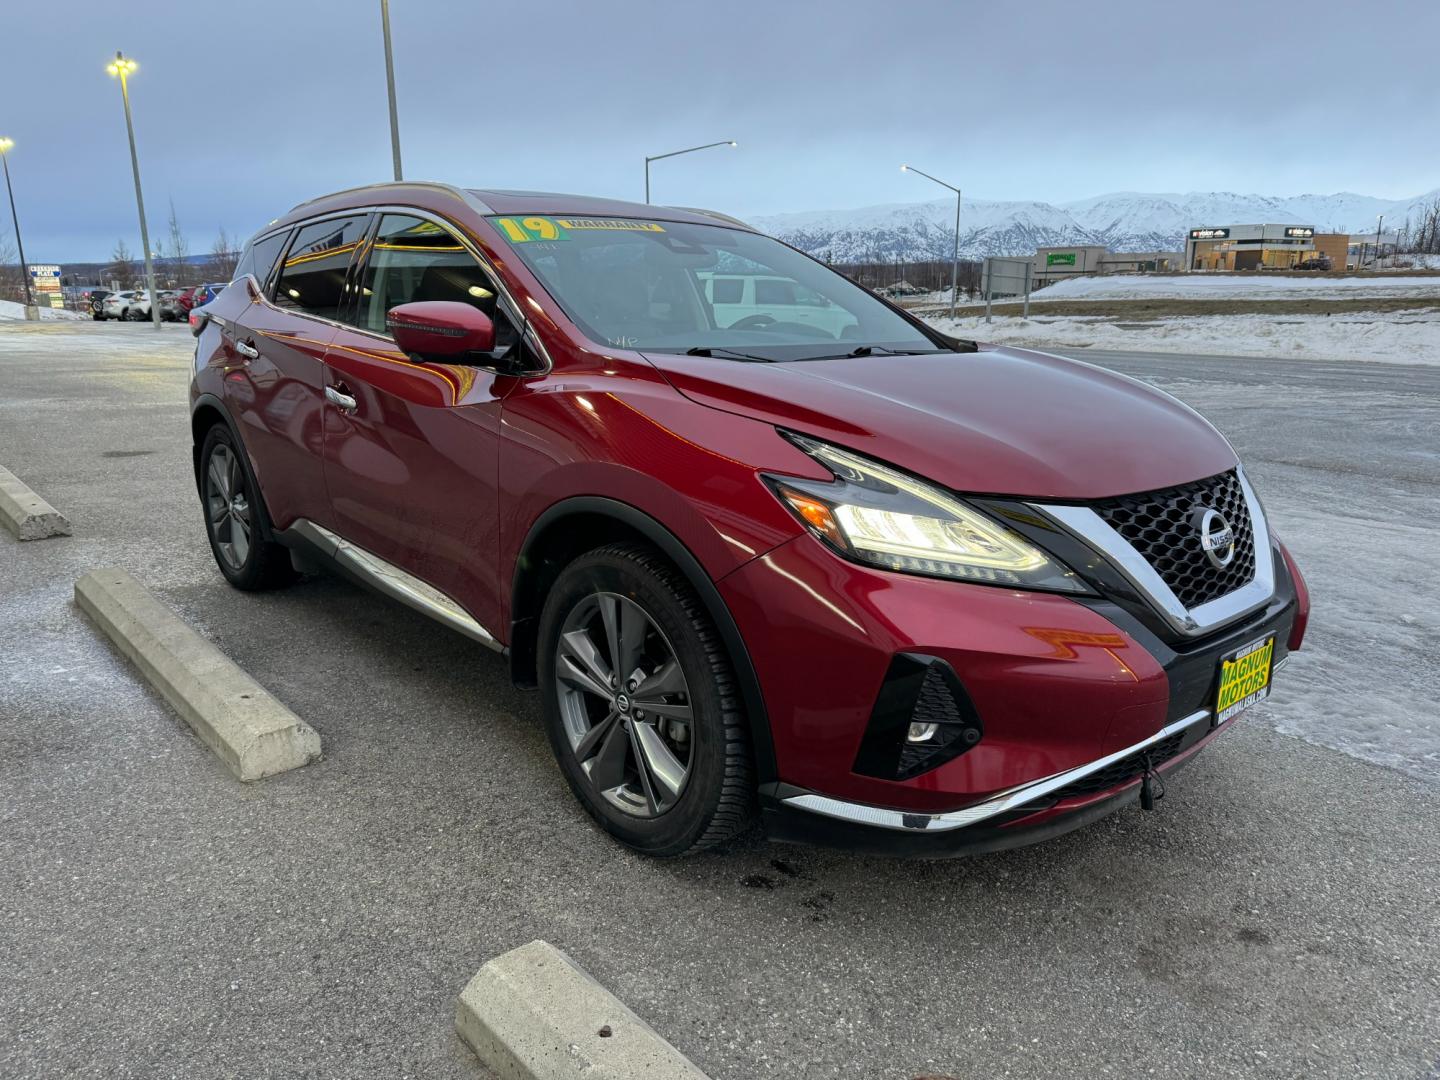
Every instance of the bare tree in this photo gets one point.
(12, 283)
(179, 250)
(1427, 228)
(122, 265)
(222, 257)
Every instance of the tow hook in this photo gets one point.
(1149, 780)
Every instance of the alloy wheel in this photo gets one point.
(228, 506)
(625, 705)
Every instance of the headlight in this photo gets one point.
(877, 515)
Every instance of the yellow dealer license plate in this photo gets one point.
(1244, 678)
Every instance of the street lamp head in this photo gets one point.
(904, 168)
(734, 143)
(121, 65)
(5, 144)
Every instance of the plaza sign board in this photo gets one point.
(1209, 234)
(1060, 258)
(45, 279)
(1299, 232)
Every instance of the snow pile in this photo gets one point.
(1236, 287)
(1407, 337)
(12, 310)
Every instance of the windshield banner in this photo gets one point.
(529, 229)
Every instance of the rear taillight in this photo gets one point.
(197, 322)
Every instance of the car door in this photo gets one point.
(411, 446)
(275, 391)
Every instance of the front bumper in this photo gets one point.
(1068, 690)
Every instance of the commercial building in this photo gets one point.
(1057, 263)
(1261, 247)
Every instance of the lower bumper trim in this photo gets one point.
(1014, 799)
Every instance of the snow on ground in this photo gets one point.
(11, 310)
(1404, 337)
(1236, 287)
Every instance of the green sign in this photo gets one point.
(1060, 258)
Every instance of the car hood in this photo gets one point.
(998, 421)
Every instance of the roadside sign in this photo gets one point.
(44, 278)
(1006, 277)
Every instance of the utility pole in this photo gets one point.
(1378, 222)
(677, 153)
(955, 257)
(31, 311)
(390, 89)
(124, 68)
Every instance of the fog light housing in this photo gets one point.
(921, 719)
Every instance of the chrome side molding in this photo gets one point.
(1014, 799)
(1095, 531)
(395, 583)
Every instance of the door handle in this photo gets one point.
(247, 351)
(340, 399)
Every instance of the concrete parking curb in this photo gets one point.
(27, 515)
(535, 1014)
(255, 735)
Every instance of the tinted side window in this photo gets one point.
(728, 290)
(259, 257)
(312, 277)
(413, 259)
(771, 291)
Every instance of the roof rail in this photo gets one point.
(716, 214)
(448, 188)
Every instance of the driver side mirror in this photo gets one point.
(441, 328)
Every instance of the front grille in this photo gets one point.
(1127, 768)
(1161, 526)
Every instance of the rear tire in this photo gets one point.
(658, 755)
(236, 522)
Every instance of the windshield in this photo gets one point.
(666, 286)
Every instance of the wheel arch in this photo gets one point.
(573, 526)
(206, 411)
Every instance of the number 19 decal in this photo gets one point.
(530, 229)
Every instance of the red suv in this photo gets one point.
(764, 542)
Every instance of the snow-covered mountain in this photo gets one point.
(1122, 221)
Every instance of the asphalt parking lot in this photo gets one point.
(1279, 916)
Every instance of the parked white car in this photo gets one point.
(133, 305)
(745, 301)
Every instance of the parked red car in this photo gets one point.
(807, 557)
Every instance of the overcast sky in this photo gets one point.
(244, 109)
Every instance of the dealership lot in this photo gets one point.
(1276, 917)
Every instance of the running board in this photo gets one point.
(395, 583)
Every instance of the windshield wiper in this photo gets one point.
(877, 350)
(707, 350)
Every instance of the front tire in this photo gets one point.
(641, 704)
(235, 519)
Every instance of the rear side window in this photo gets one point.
(312, 277)
(259, 257)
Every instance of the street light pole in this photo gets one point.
(390, 88)
(1379, 221)
(123, 68)
(677, 153)
(30, 310)
(955, 257)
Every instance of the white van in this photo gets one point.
(745, 301)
